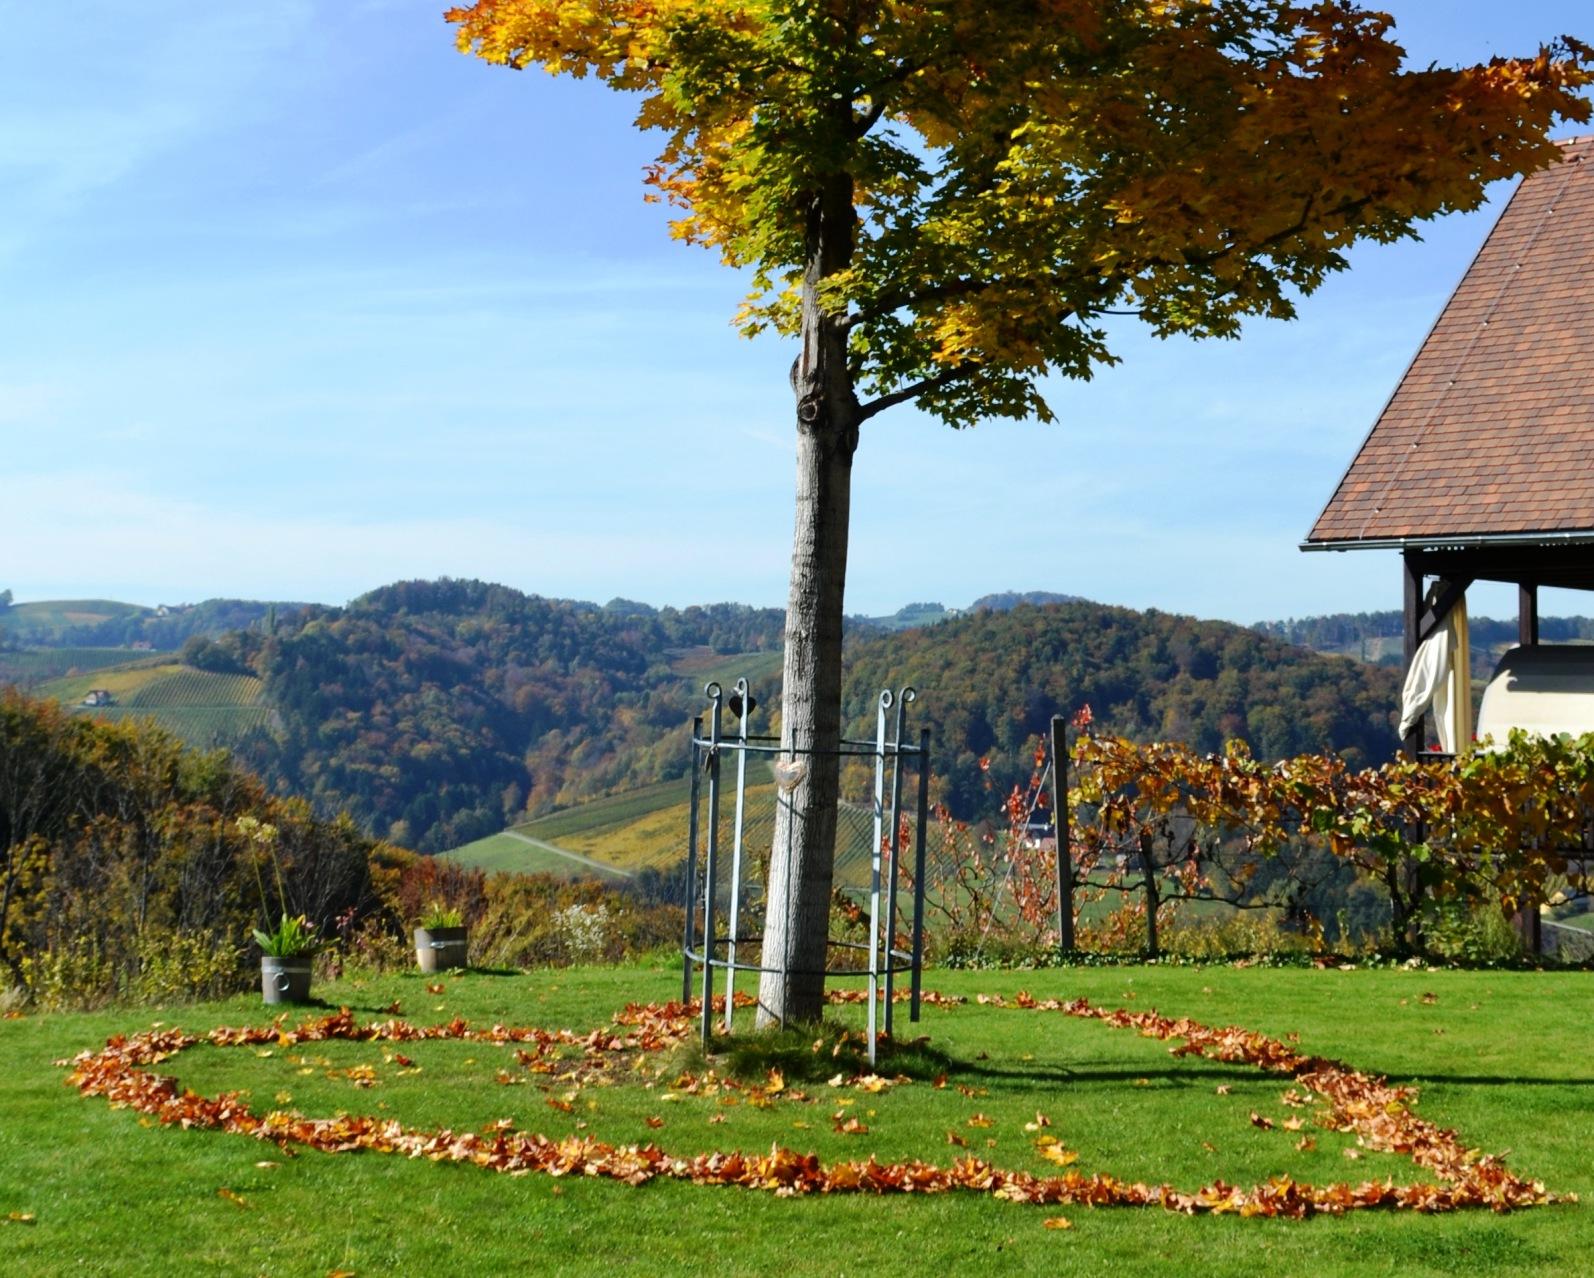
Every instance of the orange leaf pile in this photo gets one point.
(1378, 1114)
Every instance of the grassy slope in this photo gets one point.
(1501, 1056)
(36, 665)
(505, 853)
(61, 613)
(198, 706)
(648, 827)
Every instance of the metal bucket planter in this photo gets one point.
(439, 948)
(285, 980)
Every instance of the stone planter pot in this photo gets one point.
(285, 980)
(439, 948)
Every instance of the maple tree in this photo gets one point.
(941, 202)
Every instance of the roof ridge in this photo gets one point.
(1491, 427)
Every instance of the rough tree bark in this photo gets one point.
(803, 853)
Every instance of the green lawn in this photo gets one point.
(1501, 1056)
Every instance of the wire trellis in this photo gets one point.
(715, 889)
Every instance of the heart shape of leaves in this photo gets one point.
(1378, 1114)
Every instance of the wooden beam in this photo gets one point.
(1447, 595)
(1065, 851)
(1528, 614)
(1412, 580)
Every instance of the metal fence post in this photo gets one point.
(716, 696)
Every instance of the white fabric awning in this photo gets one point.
(1441, 677)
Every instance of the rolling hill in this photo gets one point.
(442, 713)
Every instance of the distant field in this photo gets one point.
(648, 828)
(201, 708)
(703, 665)
(39, 665)
(57, 614)
(505, 854)
(613, 811)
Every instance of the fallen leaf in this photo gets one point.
(952, 1138)
(1262, 1121)
(980, 1120)
(852, 1127)
(20, 1218)
(1224, 1089)
(232, 1196)
(1058, 1222)
(655, 1122)
(435, 989)
(1306, 1144)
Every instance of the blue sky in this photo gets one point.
(295, 300)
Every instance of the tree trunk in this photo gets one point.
(803, 853)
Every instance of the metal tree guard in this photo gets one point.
(712, 951)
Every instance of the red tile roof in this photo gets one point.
(1491, 431)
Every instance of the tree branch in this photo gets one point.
(946, 378)
(863, 123)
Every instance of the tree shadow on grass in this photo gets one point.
(814, 1053)
(1428, 1077)
(1033, 1073)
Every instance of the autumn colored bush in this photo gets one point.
(1411, 856)
(132, 867)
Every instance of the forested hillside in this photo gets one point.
(989, 683)
(104, 623)
(437, 712)
(1377, 636)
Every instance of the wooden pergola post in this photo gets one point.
(1412, 580)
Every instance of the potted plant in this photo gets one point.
(285, 954)
(440, 938)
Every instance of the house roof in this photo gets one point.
(1490, 434)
